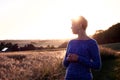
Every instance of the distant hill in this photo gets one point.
(111, 35)
(36, 43)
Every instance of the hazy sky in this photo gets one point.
(50, 19)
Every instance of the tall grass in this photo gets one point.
(114, 46)
(31, 66)
(36, 65)
(108, 53)
(110, 65)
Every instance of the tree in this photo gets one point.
(28, 47)
(2, 45)
(15, 47)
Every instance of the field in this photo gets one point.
(47, 65)
(31, 65)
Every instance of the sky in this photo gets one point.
(51, 19)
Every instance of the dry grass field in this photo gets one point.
(47, 65)
(31, 65)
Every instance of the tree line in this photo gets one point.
(15, 47)
(111, 35)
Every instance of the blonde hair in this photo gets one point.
(80, 20)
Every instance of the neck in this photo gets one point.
(82, 35)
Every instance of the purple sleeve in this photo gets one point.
(65, 62)
(95, 59)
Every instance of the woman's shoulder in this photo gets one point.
(92, 40)
(85, 40)
(92, 43)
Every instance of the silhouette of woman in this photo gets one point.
(82, 53)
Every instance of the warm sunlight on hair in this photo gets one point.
(76, 19)
(80, 20)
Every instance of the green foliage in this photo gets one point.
(110, 65)
(114, 46)
(107, 53)
(110, 70)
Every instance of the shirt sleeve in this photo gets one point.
(95, 59)
(65, 62)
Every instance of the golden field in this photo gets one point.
(47, 65)
(31, 65)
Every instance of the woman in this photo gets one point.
(82, 53)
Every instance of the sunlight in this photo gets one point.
(52, 19)
(58, 24)
(54, 23)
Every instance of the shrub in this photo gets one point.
(107, 53)
(16, 57)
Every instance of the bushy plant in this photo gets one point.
(107, 53)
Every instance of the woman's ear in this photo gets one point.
(80, 26)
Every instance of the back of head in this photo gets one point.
(80, 21)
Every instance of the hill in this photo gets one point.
(111, 35)
(36, 43)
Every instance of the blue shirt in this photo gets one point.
(89, 58)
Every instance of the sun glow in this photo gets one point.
(51, 19)
(57, 20)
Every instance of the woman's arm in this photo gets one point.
(65, 61)
(95, 61)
